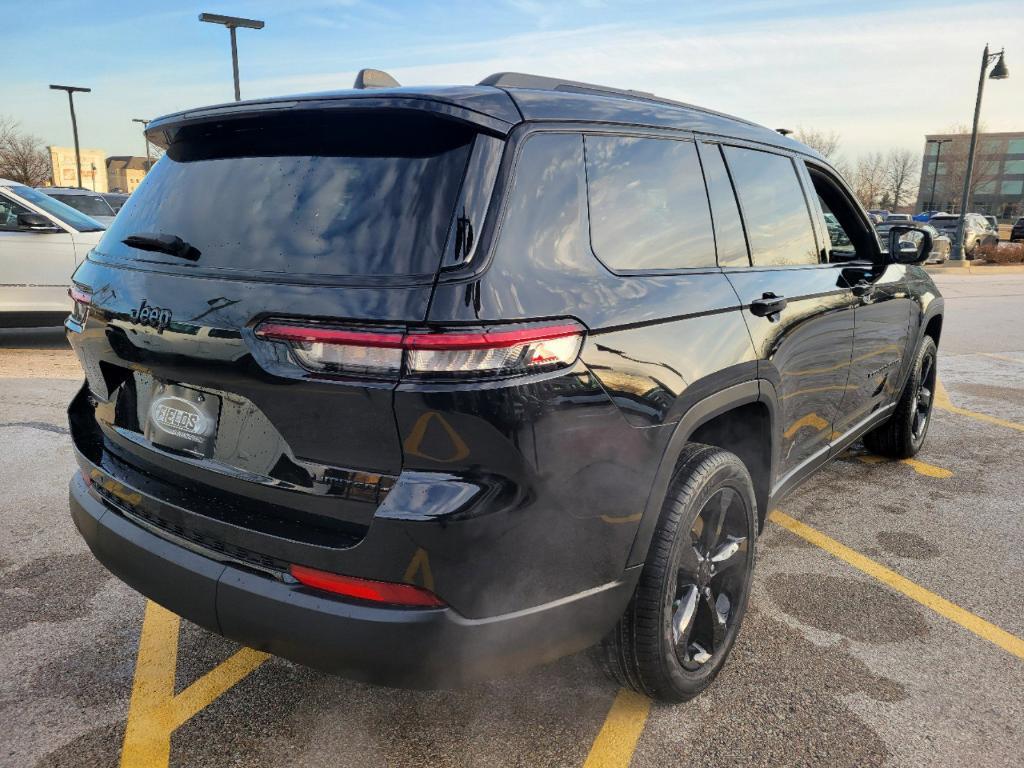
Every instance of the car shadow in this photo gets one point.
(33, 338)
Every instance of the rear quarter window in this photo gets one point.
(648, 205)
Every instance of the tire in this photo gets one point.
(903, 434)
(686, 612)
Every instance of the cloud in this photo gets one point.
(879, 79)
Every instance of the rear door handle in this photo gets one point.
(769, 305)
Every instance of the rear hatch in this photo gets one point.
(324, 217)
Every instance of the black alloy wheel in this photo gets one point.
(711, 578)
(924, 399)
(903, 434)
(689, 603)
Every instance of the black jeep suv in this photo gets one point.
(421, 385)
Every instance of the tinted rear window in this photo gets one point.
(315, 193)
(943, 221)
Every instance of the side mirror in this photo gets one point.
(909, 250)
(36, 222)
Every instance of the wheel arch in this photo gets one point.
(723, 420)
(930, 325)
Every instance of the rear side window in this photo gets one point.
(732, 245)
(309, 193)
(648, 205)
(774, 208)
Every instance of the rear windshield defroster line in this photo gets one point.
(366, 194)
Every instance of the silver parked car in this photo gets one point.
(977, 231)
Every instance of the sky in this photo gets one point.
(880, 74)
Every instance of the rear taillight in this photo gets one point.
(81, 301)
(386, 592)
(445, 353)
(337, 350)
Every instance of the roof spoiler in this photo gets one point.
(374, 78)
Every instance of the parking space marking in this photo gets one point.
(154, 711)
(921, 467)
(969, 621)
(943, 403)
(1008, 359)
(616, 741)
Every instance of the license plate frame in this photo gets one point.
(183, 419)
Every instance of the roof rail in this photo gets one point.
(541, 83)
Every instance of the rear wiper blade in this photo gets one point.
(169, 244)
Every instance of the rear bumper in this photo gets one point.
(420, 648)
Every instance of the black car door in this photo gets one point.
(884, 307)
(799, 310)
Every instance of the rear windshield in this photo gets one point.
(91, 205)
(943, 221)
(314, 193)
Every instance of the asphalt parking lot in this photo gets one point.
(885, 628)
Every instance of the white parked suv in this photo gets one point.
(42, 241)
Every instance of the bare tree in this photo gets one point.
(869, 178)
(901, 173)
(23, 158)
(825, 143)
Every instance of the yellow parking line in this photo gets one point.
(940, 605)
(615, 743)
(154, 711)
(921, 467)
(1008, 359)
(924, 468)
(147, 736)
(943, 403)
(214, 683)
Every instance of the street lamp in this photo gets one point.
(149, 163)
(72, 89)
(999, 72)
(935, 172)
(232, 23)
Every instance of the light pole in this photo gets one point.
(935, 174)
(232, 23)
(999, 72)
(149, 163)
(72, 89)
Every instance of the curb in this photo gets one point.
(971, 268)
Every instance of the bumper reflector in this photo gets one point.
(385, 592)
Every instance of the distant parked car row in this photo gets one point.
(979, 230)
(941, 241)
(92, 204)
